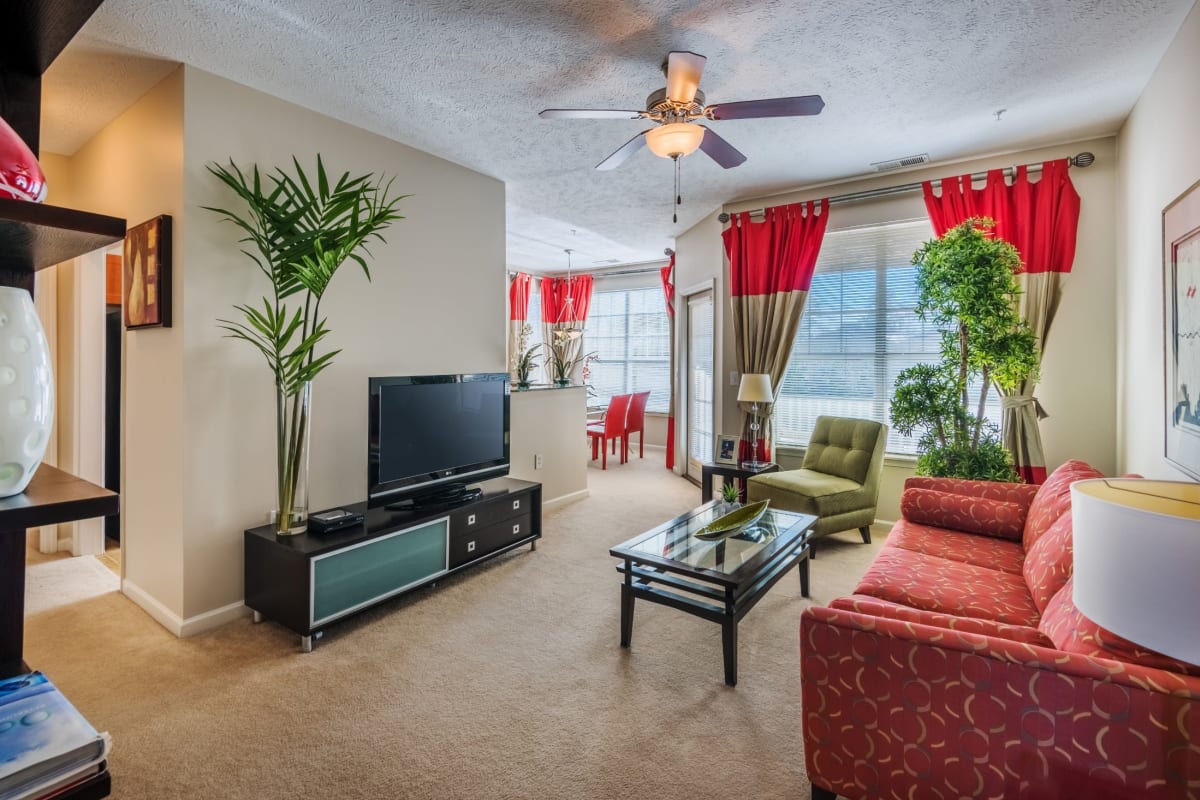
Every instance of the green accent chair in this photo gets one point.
(838, 480)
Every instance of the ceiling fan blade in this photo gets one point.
(683, 75)
(623, 152)
(805, 106)
(589, 113)
(720, 150)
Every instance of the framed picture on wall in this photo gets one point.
(1181, 318)
(146, 274)
(727, 449)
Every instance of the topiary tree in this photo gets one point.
(968, 288)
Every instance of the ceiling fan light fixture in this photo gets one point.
(674, 139)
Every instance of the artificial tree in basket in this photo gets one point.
(968, 288)
(301, 230)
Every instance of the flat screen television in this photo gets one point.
(431, 435)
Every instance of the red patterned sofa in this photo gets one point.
(961, 667)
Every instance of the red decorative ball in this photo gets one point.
(21, 177)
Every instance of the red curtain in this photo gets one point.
(518, 297)
(555, 292)
(771, 265)
(669, 295)
(1041, 220)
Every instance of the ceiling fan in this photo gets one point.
(677, 107)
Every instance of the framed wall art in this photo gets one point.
(1181, 317)
(146, 278)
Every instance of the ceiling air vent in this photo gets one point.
(900, 163)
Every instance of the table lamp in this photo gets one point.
(1137, 553)
(754, 389)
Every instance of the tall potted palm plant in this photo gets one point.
(302, 230)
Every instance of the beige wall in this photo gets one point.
(133, 169)
(432, 306)
(550, 422)
(1159, 160)
(1079, 364)
(699, 262)
(198, 460)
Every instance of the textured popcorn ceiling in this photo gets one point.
(464, 79)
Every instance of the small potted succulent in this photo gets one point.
(730, 492)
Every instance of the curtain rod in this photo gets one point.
(1084, 159)
(604, 273)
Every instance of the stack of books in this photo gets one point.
(46, 746)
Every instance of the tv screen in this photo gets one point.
(428, 431)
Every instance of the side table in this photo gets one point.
(740, 472)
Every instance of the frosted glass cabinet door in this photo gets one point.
(351, 578)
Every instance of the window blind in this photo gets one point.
(858, 331)
(628, 330)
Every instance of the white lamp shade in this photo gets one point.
(675, 139)
(1137, 554)
(755, 388)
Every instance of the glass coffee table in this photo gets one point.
(715, 580)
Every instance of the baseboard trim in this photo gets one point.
(183, 628)
(148, 603)
(565, 499)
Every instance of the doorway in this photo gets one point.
(699, 384)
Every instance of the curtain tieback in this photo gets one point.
(1022, 400)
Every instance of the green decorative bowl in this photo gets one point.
(733, 522)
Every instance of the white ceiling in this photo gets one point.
(464, 79)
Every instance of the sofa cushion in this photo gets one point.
(808, 491)
(1067, 627)
(1053, 498)
(1021, 493)
(842, 447)
(948, 587)
(982, 551)
(961, 512)
(1048, 564)
(882, 608)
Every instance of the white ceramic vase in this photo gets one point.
(26, 391)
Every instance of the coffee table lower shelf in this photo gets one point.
(728, 606)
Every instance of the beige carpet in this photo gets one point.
(504, 682)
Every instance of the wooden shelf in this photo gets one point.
(34, 236)
(54, 496)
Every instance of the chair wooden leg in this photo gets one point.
(865, 530)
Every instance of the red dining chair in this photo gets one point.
(611, 429)
(635, 422)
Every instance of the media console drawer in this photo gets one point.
(468, 545)
(485, 513)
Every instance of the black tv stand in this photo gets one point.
(453, 495)
(308, 581)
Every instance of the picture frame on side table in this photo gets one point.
(1181, 328)
(146, 274)
(727, 449)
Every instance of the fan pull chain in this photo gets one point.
(678, 197)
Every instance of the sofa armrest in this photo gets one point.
(873, 606)
(897, 709)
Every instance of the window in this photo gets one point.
(857, 332)
(630, 334)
